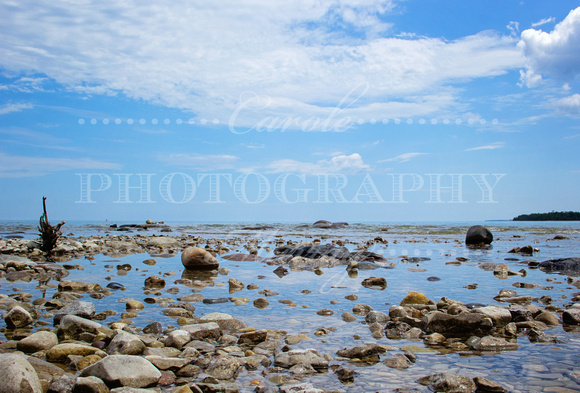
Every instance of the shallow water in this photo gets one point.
(533, 367)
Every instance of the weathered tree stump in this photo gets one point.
(49, 234)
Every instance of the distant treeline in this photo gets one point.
(552, 216)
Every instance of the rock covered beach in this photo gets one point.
(287, 313)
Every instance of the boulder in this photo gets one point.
(71, 327)
(226, 322)
(318, 251)
(361, 351)
(17, 317)
(154, 282)
(194, 258)
(477, 235)
(80, 309)
(178, 339)
(224, 367)
(492, 344)
(124, 370)
(301, 356)
(447, 382)
(17, 375)
(571, 316)
(60, 352)
(499, 315)
(90, 385)
(414, 298)
(464, 324)
(567, 266)
(39, 341)
(202, 331)
(374, 283)
(125, 344)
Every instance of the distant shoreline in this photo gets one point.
(551, 216)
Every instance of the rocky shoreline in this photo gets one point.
(85, 351)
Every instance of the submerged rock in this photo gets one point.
(567, 266)
(194, 258)
(478, 235)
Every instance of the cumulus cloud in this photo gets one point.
(305, 57)
(568, 105)
(207, 162)
(24, 166)
(491, 146)
(339, 164)
(553, 54)
(404, 157)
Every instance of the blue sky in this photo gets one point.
(254, 111)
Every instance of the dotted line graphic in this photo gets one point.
(216, 122)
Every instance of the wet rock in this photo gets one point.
(348, 317)
(72, 327)
(318, 251)
(153, 328)
(261, 303)
(116, 286)
(500, 316)
(253, 338)
(194, 258)
(567, 266)
(125, 344)
(47, 372)
(301, 356)
(491, 344)
(17, 375)
(124, 370)
(134, 305)
(398, 361)
(226, 322)
(344, 374)
(64, 384)
(18, 317)
(397, 312)
(216, 300)
(235, 285)
(154, 282)
(548, 318)
(361, 351)
(571, 316)
(447, 382)
(77, 286)
(478, 235)
(414, 298)
(463, 324)
(325, 312)
(401, 330)
(167, 363)
(376, 316)
(178, 339)
(39, 341)
(361, 309)
(78, 308)
(375, 283)
(162, 242)
(488, 386)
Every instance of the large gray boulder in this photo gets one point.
(464, 324)
(38, 341)
(17, 375)
(18, 317)
(478, 235)
(78, 308)
(124, 370)
(125, 344)
(195, 258)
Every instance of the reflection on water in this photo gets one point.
(463, 275)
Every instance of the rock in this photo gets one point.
(477, 235)
(376, 316)
(398, 361)
(39, 341)
(548, 318)
(124, 370)
(235, 285)
(447, 382)
(178, 339)
(77, 286)
(361, 351)
(17, 375)
(154, 282)
(319, 251)
(361, 309)
(500, 316)
(348, 317)
(47, 372)
(166, 363)
(153, 328)
(300, 356)
(194, 258)
(17, 317)
(414, 298)
(134, 305)
(202, 331)
(60, 352)
(226, 367)
(71, 327)
(64, 384)
(325, 312)
(261, 303)
(90, 385)
(253, 338)
(567, 266)
(463, 324)
(226, 322)
(125, 344)
(491, 344)
(163, 242)
(375, 283)
(488, 386)
(344, 374)
(571, 316)
(79, 308)
(242, 257)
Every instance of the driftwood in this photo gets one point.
(49, 234)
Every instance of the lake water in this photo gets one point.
(533, 367)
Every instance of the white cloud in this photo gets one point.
(340, 164)
(206, 162)
(491, 146)
(552, 54)
(10, 108)
(569, 105)
(25, 166)
(404, 157)
(200, 56)
(544, 21)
